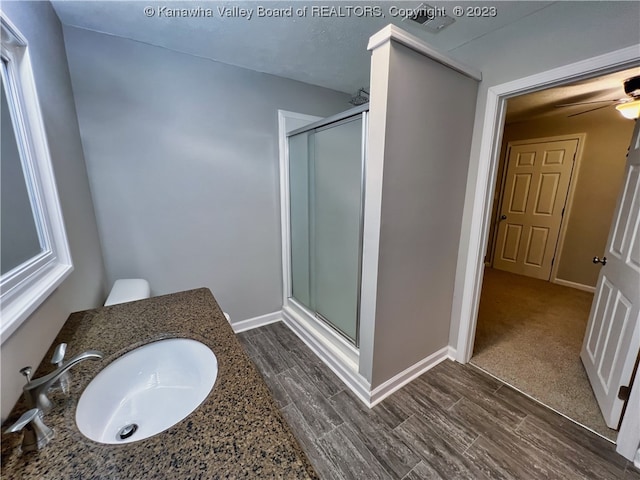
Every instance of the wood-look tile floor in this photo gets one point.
(453, 422)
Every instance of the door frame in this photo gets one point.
(568, 203)
(481, 189)
(287, 121)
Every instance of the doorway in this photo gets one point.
(530, 331)
(567, 274)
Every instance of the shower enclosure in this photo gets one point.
(326, 193)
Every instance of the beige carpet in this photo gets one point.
(530, 334)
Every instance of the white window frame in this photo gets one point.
(26, 286)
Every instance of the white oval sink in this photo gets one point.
(146, 391)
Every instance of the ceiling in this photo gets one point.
(326, 47)
(543, 104)
(320, 49)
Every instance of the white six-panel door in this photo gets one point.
(612, 339)
(535, 192)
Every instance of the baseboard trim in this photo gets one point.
(452, 353)
(343, 367)
(256, 322)
(401, 379)
(579, 286)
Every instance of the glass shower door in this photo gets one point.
(325, 182)
(337, 195)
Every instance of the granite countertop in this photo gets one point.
(237, 432)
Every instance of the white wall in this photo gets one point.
(563, 33)
(182, 154)
(85, 287)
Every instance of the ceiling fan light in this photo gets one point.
(630, 110)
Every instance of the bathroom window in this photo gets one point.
(34, 252)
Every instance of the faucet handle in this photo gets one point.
(26, 418)
(26, 371)
(65, 379)
(36, 433)
(58, 354)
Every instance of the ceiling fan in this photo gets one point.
(628, 106)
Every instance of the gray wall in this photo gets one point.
(537, 43)
(429, 117)
(182, 154)
(85, 287)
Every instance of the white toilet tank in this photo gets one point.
(128, 290)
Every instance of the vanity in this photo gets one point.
(236, 432)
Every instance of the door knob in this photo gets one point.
(603, 261)
(503, 217)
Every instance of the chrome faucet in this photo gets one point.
(35, 391)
